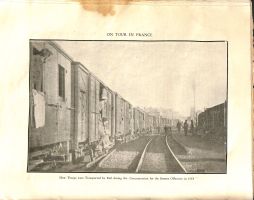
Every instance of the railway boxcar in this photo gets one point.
(110, 113)
(155, 124)
(100, 116)
(93, 116)
(80, 115)
(213, 120)
(50, 101)
(124, 122)
(162, 122)
(128, 132)
(139, 118)
(136, 120)
(119, 118)
(148, 123)
(142, 120)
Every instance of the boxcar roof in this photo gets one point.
(56, 46)
(60, 50)
(216, 106)
(81, 66)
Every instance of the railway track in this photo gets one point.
(124, 158)
(158, 157)
(147, 155)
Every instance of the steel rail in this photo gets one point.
(106, 157)
(179, 163)
(143, 156)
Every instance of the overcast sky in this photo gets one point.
(157, 74)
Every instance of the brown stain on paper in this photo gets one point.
(103, 7)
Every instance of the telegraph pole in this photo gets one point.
(194, 100)
(194, 95)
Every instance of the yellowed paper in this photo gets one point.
(23, 21)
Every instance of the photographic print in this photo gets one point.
(128, 106)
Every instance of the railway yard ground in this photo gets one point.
(203, 154)
(170, 153)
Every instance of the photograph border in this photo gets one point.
(128, 40)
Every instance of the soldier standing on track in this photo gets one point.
(178, 125)
(192, 127)
(185, 127)
(165, 130)
(168, 130)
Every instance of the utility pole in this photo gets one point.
(194, 100)
(194, 94)
(172, 118)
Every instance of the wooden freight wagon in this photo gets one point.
(119, 118)
(148, 123)
(110, 112)
(136, 120)
(213, 120)
(101, 114)
(202, 127)
(93, 117)
(128, 125)
(50, 101)
(93, 109)
(142, 120)
(156, 124)
(139, 120)
(151, 123)
(162, 122)
(80, 115)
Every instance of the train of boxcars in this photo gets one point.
(73, 115)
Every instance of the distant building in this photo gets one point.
(165, 113)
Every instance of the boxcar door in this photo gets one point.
(92, 110)
(83, 105)
(83, 115)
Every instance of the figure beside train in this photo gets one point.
(74, 116)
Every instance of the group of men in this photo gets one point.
(186, 127)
